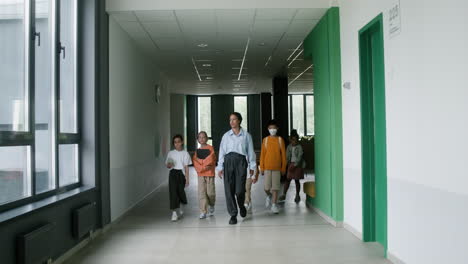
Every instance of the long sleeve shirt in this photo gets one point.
(273, 155)
(205, 167)
(241, 144)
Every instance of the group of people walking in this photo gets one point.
(237, 166)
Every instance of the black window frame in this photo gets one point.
(304, 98)
(27, 138)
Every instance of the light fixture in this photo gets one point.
(236, 89)
(243, 59)
(206, 65)
(209, 78)
(202, 45)
(261, 44)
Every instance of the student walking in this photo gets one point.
(177, 162)
(236, 155)
(272, 165)
(296, 165)
(204, 161)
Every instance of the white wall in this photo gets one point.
(137, 123)
(426, 106)
(178, 115)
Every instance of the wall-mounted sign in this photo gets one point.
(394, 20)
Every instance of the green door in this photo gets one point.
(374, 160)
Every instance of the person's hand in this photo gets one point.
(186, 183)
(220, 174)
(169, 165)
(261, 172)
(255, 180)
(251, 172)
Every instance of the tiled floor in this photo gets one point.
(296, 235)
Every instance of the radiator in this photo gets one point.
(84, 220)
(36, 246)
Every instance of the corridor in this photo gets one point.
(296, 235)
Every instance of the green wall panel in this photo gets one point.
(322, 46)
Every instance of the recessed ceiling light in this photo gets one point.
(236, 89)
(202, 45)
(206, 65)
(209, 78)
(237, 85)
(261, 44)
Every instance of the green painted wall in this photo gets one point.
(322, 46)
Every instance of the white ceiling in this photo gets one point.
(172, 38)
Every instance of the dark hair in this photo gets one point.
(294, 134)
(177, 136)
(202, 132)
(238, 115)
(272, 122)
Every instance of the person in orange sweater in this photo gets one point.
(273, 165)
(204, 161)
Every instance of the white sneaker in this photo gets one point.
(174, 216)
(248, 207)
(202, 216)
(211, 211)
(181, 213)
(274, 209)
(268, 201)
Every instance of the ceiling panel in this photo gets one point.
(126, 16)
(169, 44)
(163, 29)
(270, 28)
(308, 13)
(171, 38)
(275, 14)
(134, 29)
(156, 16)
(301, 28)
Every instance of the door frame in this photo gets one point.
(373, 136)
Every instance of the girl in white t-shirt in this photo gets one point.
(177, 162)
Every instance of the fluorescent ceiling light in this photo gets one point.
(206, 65)
(294, 51)
(196, 69)
(202, 45)
(243, 59)
(300, 75)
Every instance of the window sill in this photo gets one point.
(44, 203)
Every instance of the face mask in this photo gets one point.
(272, 131)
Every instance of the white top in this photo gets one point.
(180, 159)
(293, 156)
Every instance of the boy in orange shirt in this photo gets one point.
(272, 165)
(204, 161)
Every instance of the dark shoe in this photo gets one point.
(297, 199)
(233, 220)
(242, 211)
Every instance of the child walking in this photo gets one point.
(204, 161)
(272, 165)
(296, 165)
(177, 162)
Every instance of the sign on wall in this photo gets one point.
(394, 20)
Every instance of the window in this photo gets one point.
(39, 132)
(309, 111)
(204, 116)
(240, 106)
(301, 114)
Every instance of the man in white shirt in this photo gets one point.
(236, 154)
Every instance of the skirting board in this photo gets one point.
(102, 231)
(353, 231)
(327, 218)
(394, 259)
